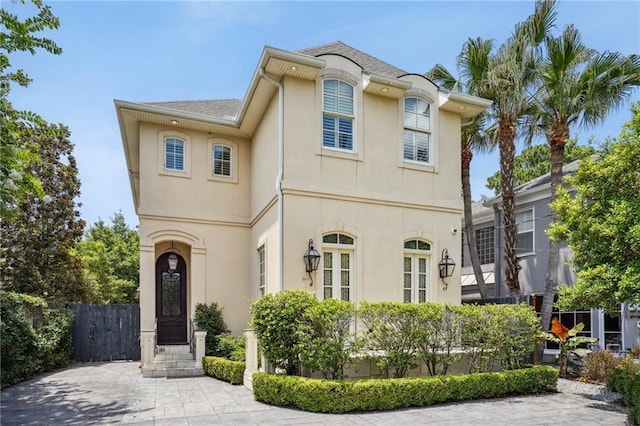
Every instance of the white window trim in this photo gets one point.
(533, 232)
(432, 165)
(262, 246)
(337, 249)
(162, 135)
(234, 160)
(415, 254)
(357, 153)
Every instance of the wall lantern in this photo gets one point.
(446, 265)
(173, 262)
(311, 260)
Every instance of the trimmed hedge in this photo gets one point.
(342, 396)
(224, 369)
(632, 399)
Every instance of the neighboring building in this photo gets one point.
(329, 144)
(533, 216)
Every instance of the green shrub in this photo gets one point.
(438, 336)
(231, 347)
(209, 318)
(27, 350)
(620, 377)
(276, 320)
(224, 369)
(632, 399)
(598, 366)
(392, 328)
(326, 338)
(515, 330)
(341, 396)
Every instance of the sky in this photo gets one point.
(143, 51)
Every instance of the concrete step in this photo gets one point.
(154, 371)
(173, 349)
(173, 357)
(175, 364)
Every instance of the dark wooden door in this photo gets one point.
(171, 301)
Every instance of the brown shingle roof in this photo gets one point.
(220, 108)
(367, 62)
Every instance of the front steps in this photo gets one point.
(173, 361)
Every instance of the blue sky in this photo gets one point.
(168, 50)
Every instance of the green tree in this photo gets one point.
(17, 150)
(111, 259)
(507, 77)
(578, 86)
(40, 257)
(535, 161)
(601, 224)
(474, 137)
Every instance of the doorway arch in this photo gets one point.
(171, 300)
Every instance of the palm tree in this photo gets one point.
(473, 138)
(507, 78)
(577, 86)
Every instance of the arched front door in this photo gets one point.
(171, 300)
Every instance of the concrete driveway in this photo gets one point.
(116, 393)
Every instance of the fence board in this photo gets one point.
(106, 332)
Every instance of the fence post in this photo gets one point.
(251, 357)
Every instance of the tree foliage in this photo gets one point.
(39, 243)
(111, 260)
(18, 150)
(535, 161)
(601, 224)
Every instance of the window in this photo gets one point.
(337, 115)
(262, 276)
(570, 319)
(416, 271)
(222, 160)
(174, 154)
(417, 131)
(524, 222)
(337, 254)
(484, 244)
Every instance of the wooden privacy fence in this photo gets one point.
(106, 332)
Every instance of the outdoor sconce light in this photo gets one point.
(446, 265)
(173, 262)
(311, 260)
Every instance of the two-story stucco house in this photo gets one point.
(329, 144)
(533, 217)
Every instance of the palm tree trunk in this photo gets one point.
(506, 143)
(557, 139)
(467, 156)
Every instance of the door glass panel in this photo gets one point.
(171, 300)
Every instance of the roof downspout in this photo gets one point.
(280, 171)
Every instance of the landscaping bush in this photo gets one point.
(598, 366)
(620, 377)
(392, 328)
(438, 335)
(27, 350)
(276, 320)
(232, 347)
(209, 318)
(326, 341)
(341, 396)
(632, 399)
(515, 333)
(224, 369)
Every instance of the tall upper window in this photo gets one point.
(174, 154)
(222, 160)
(417, 131)
(337, 254)
(262, 272)
(416, 271)
(337, 115)
(484, 243)
(525, 224)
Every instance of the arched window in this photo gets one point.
(337, 268)
(417, 143)
(416, 271)
(337, 115)
(174, 154)
(222, 160)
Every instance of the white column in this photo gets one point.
(197, 278)
(147, 303)
(251, 357)
(200, 336)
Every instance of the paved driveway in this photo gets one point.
(116, 393)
